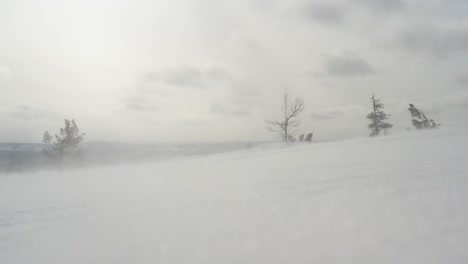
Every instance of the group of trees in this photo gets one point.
(286, 125)
(66, 142)
(379, 118)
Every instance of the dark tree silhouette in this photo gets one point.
(378, 118)
(420, 121)
(288, 121)
(301, 137)
(65, 143)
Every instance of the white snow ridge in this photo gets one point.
(394, 199)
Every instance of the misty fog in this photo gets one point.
(248, 131)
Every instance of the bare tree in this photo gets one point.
(286, 124)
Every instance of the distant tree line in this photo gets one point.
(65, 143)
(288, 121)
(379, 118)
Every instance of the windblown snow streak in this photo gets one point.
(395, 199)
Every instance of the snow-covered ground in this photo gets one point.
(394, 199)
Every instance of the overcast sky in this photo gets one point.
(213, 70)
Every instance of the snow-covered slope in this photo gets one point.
(395, 199)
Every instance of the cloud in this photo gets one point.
(337, 112)
(184, 77)
(264, 5)
(187, 77)
(28, 113)
(456, 101)
(239, 101)
(259, 49)
(347, 65)
(231, 109)
(339, 12)
(383, 5)
(439, 40)
(324, 12)
(327, 115)
(170, 83)
(191, 91)
(462, 80)
(140, 106)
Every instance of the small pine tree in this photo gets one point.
(420, 121)
(65, 143)
(309, 137)
(378, 118)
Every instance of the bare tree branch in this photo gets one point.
(290, 110)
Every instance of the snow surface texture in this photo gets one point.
(394, 199)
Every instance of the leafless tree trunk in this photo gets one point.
(288, 121)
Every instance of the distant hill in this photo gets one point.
(23, 157)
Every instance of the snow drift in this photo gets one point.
(394, 199)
